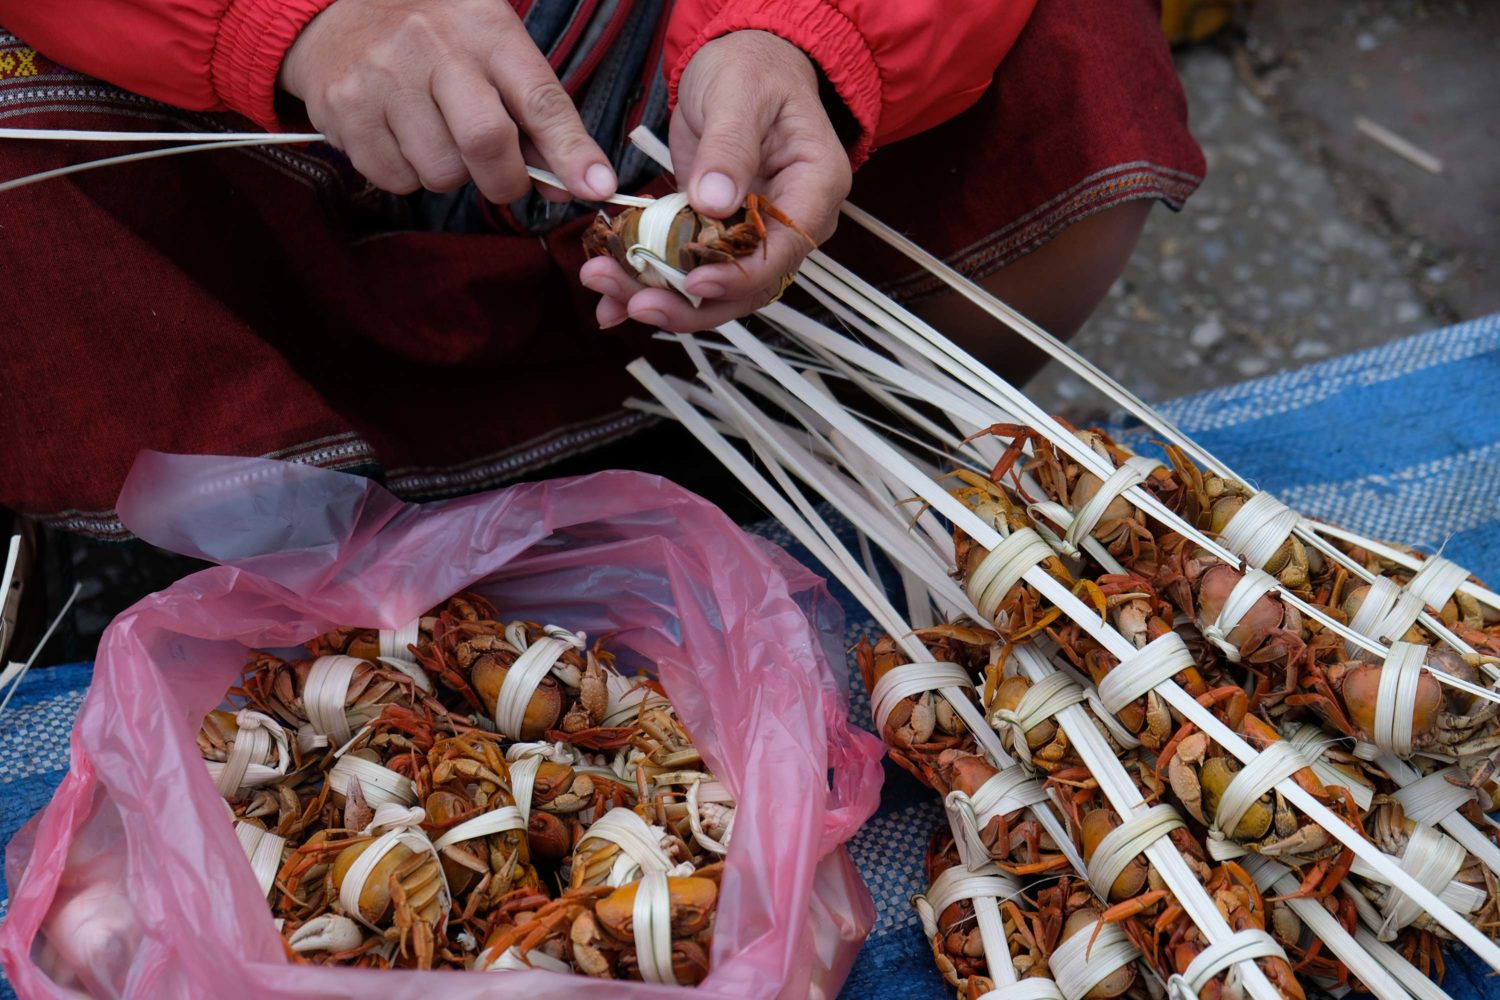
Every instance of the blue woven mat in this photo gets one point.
(1401, 442)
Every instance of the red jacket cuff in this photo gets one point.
(253, 38)
(819, 29)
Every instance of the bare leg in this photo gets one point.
(1057, 286)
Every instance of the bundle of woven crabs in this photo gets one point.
(475, 793)
(1186, 739)
(1395, 767)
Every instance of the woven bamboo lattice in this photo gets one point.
(1187, 739)
(1043, 516)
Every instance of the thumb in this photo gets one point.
(728, 156)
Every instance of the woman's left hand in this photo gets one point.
(748, 118)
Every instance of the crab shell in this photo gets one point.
(1214, 587)
(1132, 881)
(1116, 982)
(543, 712)
(692, 900)
(1358, 685)
(405, 866)
(1008, 696)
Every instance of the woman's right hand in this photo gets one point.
(431, 93)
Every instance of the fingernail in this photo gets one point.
(708, 290)
(651, 317)
(716, 192)
(613, 323)
(600, 179)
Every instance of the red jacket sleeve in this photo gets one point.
(901, 66)
(206, 55)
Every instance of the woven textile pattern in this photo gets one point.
(1401, 442)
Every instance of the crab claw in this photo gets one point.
(330, 932)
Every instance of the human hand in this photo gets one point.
(429, 93)
(748, 118)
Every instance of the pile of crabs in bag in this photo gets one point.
(584, 734)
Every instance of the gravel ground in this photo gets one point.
(1263, 270)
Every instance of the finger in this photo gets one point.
(486, 137)
(374, 152)
(610, 312)
(807, 188)
(728, 154)
(605, 276)
(666, 310)
(810, 173)
(426, 142)
(534, 158)
(546, 114)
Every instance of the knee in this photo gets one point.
(1060, 284)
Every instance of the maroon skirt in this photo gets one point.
(235, 303)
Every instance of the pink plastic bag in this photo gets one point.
(132, 883)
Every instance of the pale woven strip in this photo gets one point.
(695, 818)
(1435, 583)
(410, 669)
(325, 693)
(1050, 510)
(950, 680)
(1433, 859)
(1312, 741)
(1002, 568)
(639, 843)
(523, 772)
(1456, 895)
(652, 919)
(1408, 975)
(909, 679)
(1271, 876)
(1243, 945)
(628, 698)
(1030, 988)
(521, 680)
(401, 826)
(510, 960)
(380, 785)
(983, 890)
(649, 253)
(1147, 668)
(1079, 966)
(1379, 601)
(1433, 797)
(263, 848)
(255, 734)
(503, 820)
(1040, 703)
(398, 642)
(1128, 841)
(1259, 528)
(1270, 767)
(1135, 470)
(1396, 697)
(1255, 584)
(1007, 790)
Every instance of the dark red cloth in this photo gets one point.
(231, 302)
